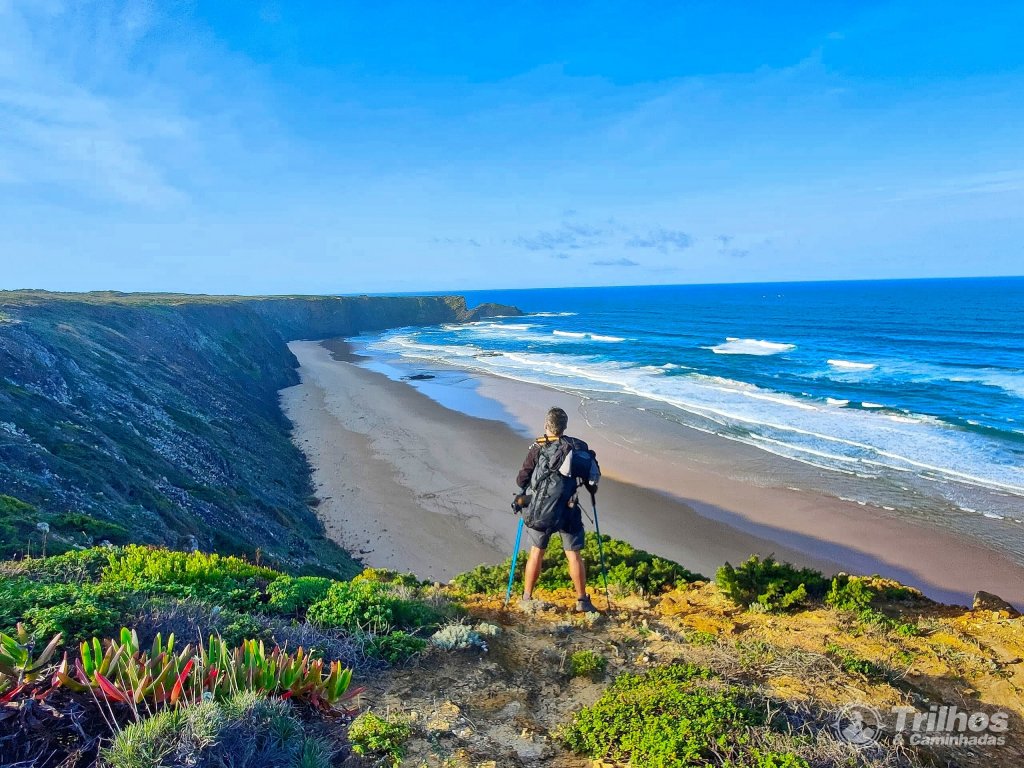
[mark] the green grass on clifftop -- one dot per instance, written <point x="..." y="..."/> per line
<point x="673" y="717"/>
<point x="94" y="592"/>
<point x="629" y="570"/>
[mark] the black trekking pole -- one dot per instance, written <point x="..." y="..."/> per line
<point x="600" y="549"/>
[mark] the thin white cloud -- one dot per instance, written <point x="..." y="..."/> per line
<point x="662" y="239"/>
<point x="61" y="130"/>
<point x="622" y="262"/>
<point x="999" y="182"/>
<point x="570" y="235"/>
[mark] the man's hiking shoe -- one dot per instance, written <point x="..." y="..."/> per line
<point x="584" y="605"/>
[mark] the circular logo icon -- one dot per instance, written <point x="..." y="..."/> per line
<point x="859" y="724"/>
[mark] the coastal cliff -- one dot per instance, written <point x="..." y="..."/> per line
<point x="154" y="418"/>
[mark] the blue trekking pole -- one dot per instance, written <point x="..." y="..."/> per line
<point x="515" y="558"/>
<point x="600" y="550"/>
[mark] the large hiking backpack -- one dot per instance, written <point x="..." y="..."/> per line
<point x="560" y="468"/>
<point x="584" y="469"/>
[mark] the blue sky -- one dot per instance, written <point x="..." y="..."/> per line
<point x="282" y="147"/>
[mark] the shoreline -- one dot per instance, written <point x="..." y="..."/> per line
<point x="429" y="492"/>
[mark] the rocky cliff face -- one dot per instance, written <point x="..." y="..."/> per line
<point x="155" y="418"/>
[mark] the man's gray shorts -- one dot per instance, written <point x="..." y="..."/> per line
<point x="572" y="539"/>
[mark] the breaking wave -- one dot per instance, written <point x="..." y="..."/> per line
<point x="849" y="365"/>
<point x="812" y="430"/>
<point x="734" y="346"/>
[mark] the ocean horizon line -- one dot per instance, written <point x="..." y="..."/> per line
<point x="871" y="280"/>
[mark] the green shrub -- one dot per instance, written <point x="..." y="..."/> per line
<point x="244" y="731"/>
<point x="395" y="647"/>
<point x="385" y="576"/>
<point x="75" y="566"/>
<point x="369" y="606"/>
<point x="75" y="610"/>
<point x="414" y="614"/>
<point x="700" y="637"/>
<point x="587" y="664"/>
<point x="672" y="717"/>
<point x="769" y="584"/>
<point x="17" y="525"/>
<point x="76" y="522"/>
<point x="239" y="626"/>
<point x="857" y="595"/>
<point x="659" y="718"/>
<point x="771" y="759"/>
<point x="849" y="593"/>
<point x="902" y="628"/>
<point x="290" y="595"/>
<point x="226" y="580"/>
<point x="629" y="569"/>
<point x="371" y="734"/>
<point x="853" y="664"/>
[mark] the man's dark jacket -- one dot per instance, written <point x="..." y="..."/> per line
<point x="523" y="478"/>
<point x="571" y="516"/>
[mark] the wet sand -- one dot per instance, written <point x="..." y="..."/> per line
<point x="408" y="483"/>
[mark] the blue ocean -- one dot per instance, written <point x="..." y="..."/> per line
<point x="908" y="395"/>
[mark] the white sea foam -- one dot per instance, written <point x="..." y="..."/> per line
<point x="759" y="347"/>
<point x="1008" y="381"/>
<point x="552" y="314"/>
<point x="484" y="326"/>
<point x="850" y="365"/>
<point x="834" y="438"/>
<point x="903" y="419"/>
<point x="811" y="451"/>
<point x="836" y="401"/>
<point x="586" y="335"/>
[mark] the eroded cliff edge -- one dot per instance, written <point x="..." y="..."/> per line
<point x="154" y="418"/>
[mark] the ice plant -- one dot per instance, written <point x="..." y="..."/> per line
<point x="119" y="672"/>
<point x="21" y="674"/>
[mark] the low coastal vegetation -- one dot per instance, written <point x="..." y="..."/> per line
<point x="628" y="569"/>
<point x="587" y="663"/>
<point x="139" y="634"/>
<point x="679" y="714"/>
<point x="243" y="730"/>
<point x="768" y="585"/>
<point x="374" y="735"/>
<point x="139" y="656"/>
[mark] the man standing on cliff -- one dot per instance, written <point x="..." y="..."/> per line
<point x="570" y="519"/>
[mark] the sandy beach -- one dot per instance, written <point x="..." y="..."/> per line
<point x="408" y="483"/>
